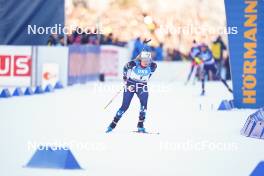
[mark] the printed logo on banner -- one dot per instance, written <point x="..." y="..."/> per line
<point x="50" y="73"/>
<point x="17" y="65"/>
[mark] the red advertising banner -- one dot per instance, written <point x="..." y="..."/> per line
<point x="15" y="66"/>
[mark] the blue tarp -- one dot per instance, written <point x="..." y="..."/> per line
<point x="16" y="15"/>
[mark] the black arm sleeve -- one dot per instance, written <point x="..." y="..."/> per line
<point x="153" y="67"/>
<point x="128" y="66"/>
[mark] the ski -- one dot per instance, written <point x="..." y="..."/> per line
<point x="157" y="133"/>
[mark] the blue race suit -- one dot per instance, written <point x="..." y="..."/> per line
<point x="209" y="65"/>
<point x="136" y="78"/>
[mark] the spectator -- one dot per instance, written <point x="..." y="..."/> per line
<point x="218" y="48"/>
<point x="85" y="37"/>
<point x="61" y="41"/>
<point x="53" y="40"/>
<point x="109" y="39"/>
<point x="77" y="36"/>
<point x="176" y="55"/>
<point x="137" y="48"/>
<point x="69" y="39"/>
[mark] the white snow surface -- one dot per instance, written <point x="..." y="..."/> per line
<point x="195" y="139"/>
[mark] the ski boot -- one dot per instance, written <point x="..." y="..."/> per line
<point x="112" y="125"/>
<point x="109" y="129"/>
<point x="140" y="126"/>
<point x="141" y="130"/>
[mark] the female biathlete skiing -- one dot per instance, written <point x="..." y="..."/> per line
<point x="136" y="74"/>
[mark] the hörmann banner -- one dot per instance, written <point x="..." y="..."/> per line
<point x="247" y="51"/>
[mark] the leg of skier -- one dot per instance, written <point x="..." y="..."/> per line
<point x="227" y="86"/>
<point x="190" y="74"/>
<point x="142" y="94"/>
<point x="196" y="72"/>
<point x="218" y="76"/>
<point x="203" y="73"/>
<point x="127" y="97"/>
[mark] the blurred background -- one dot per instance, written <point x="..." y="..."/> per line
<point x="100" y="36"/>
<point x="161" y="20"/>
<point x="172" y="25"/>
<point x="54" y="87"/>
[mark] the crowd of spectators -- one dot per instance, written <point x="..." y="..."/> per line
<point x="218" y="47"/>
<point x="159" y="53"/>
<point x="80" y="37"/>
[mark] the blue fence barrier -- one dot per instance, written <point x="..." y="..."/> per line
<point x="84" y="63"/>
